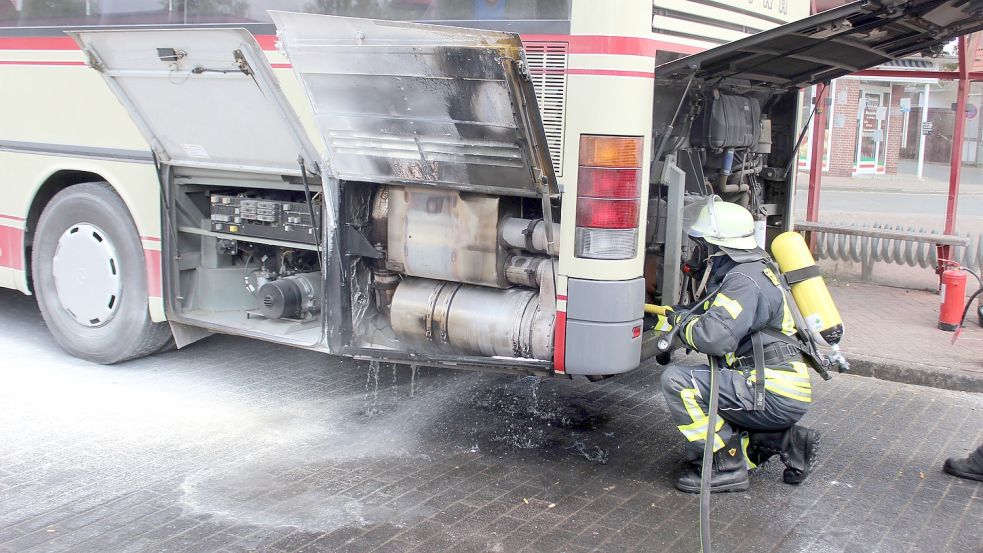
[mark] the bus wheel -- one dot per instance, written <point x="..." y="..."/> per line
<point x="90" y="277"/>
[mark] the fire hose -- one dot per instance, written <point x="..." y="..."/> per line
<point x="665" y="344"/>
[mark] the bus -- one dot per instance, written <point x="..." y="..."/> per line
<point x="493" y="184"/>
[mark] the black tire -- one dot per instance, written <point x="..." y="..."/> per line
<point x="979" y="311"/>
<point x="128" y="333"/>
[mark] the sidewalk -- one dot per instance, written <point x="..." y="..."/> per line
<point x="971" y="183"/>
<point x="891" y="334"/>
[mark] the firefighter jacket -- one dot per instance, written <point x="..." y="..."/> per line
<point x="748" y="298"/>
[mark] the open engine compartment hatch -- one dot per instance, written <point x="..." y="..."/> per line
<point x="419" y="104"/>
<point x="834" y="43"/>
<point x="203" y="98"/>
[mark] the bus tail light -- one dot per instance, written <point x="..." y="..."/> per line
<point x="608" y="192"/>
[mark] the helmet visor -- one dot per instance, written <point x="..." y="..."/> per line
<point x="691" y="214"/>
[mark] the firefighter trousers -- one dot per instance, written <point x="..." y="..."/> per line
<point x="687" y="392"/>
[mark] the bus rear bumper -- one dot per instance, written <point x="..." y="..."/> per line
<point x="603" y="326"/>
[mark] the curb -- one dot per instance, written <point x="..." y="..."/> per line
<point x="918" y="374"/>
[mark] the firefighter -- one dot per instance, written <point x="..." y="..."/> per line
<point x="744" y="296"/>
<point x="970" y="468"/>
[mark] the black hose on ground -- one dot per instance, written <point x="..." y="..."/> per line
<point x="707" y="468"/>
<point x="969" y="305"/>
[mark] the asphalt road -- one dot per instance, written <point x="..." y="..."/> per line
<point x="237" y="445"/>
<point x="890" y="204"/>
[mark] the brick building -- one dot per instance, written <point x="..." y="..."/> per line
<point x="874" y="125"/>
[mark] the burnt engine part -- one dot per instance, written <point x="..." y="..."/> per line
<point x="292" y="297"/>
<point x="263" y="218"/>
<point x="451" y="235"/>
<point x="729" y="121"/>
<point x="432" y="315"/>
<point x="444" y="235"/>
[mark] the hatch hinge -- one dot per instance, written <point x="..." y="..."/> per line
<point x="242" y="63"/>
<point x="94" y="61"/>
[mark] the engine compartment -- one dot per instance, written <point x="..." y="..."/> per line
<point x="729" y="139"/>
<point x="420" y="270"/>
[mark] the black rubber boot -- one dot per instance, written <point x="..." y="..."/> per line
<point x="797" y="447"/>
<point x="729" y="472"/>
<point x="970" y="468"/>
<point x="762" y="446"/>
<point x="800" y="445"/>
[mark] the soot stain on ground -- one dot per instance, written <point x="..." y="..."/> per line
<point x="320" y="468"/>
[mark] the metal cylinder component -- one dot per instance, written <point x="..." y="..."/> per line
<point x="524" y="270"/>
<point x="528" y="234"/>
<point x="384" y="283"/>
<point x="444" y="235"/>
<point x="379" y="216"/>
<point x="432" y="315"/>
<point x="292" y="297"/>
<point x="764" y="140"/>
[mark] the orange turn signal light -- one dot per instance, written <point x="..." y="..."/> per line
<point x="610" y="151"/>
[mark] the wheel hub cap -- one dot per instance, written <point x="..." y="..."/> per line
<point x="87" y="275"/>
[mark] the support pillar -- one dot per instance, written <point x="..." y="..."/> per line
<point x="958" y="137"/>
<point x="921" y="133"/>
<point x="817" y="146"/>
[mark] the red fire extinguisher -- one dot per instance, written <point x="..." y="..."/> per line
<point x="953" y="299"/>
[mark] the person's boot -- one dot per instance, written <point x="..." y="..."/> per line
<point x="797" y="447"/>
<point x="728" y="474"/>
<point x="800" y="445"/>
<point x="762" y="446"/>
<point x="971" y="467"/>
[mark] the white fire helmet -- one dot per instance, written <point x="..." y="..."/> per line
<point x="724" y="224"/>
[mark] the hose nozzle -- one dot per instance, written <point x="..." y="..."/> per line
<point x="842" y="365"/>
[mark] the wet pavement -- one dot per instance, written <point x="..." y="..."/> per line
<point x="237" y="445"/>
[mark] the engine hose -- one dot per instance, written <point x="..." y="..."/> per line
<point x="707" y="468"/>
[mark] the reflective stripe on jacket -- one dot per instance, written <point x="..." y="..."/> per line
<point x="749" y="299"/>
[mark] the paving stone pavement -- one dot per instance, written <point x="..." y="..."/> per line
<point x="235" y="445"/>
<point x="892" y="333"/>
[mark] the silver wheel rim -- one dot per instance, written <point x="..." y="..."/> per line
<point x="87" y="274"/>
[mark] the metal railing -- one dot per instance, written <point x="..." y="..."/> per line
<point x="896" y="244"/>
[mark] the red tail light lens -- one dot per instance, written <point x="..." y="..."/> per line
<point x="607" y="214"/>
<point x="593" y="182"/>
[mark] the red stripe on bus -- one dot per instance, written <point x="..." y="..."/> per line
<point x="12" y="217"/>
<point x="560" y="342"/>
<point x="11" y="248"/>
<point x="615" y="45"/>
<point x="596" y="72"/>
<point x="577" y="44"/>
<point x="38" y="43"/>
<point x="612" y="73"/>
<point x="47" y="63"/>
<point x="150" y="238"/>
<point x="266" y="42"/>
<point x="154" y="288"/>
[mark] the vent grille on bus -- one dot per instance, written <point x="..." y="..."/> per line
<point x="548" y="68"/>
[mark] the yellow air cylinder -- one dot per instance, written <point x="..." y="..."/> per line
<point x="811" y="295"/>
